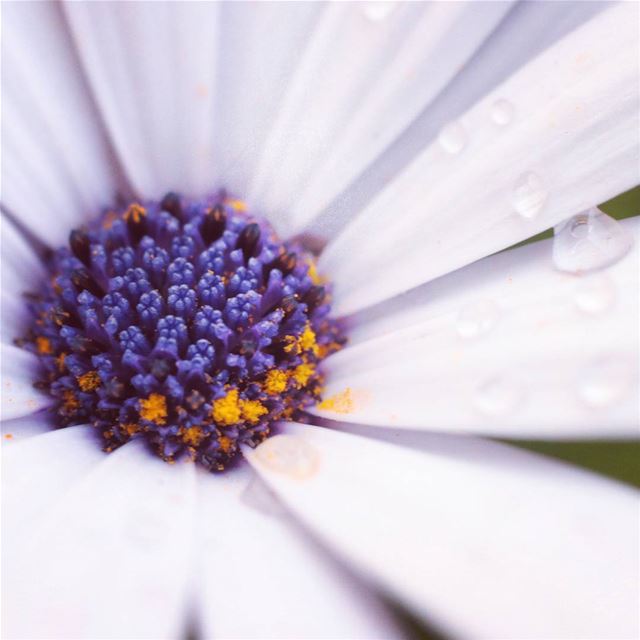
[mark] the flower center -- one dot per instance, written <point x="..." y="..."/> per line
<point x="188" y="324"/>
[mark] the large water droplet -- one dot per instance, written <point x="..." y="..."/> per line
<point x="595" y="294"/>
<point x="502" y="112"/>
<point x="529" y="195"/>
<point x="498" y="395"/>
<point x="289" y="455"/>
<point x="606" y="380"/>
<point x="588" y="241"/>
<point x="378" y="11"/>
<point x="477" y="318"/>
<point x="453" y="137"/>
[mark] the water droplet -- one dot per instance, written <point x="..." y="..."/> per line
<point x="477" y="318"/>
<point x="502" y="112"/>
<point x="595" y="294"/>
<point x="498" y="395"/>
<point x="606" y="380"/>
<point x="289" y="455"/>
<point x="529" y="195"/>
<point x="590" y="240"/>
<point x="258" y="496"/>
<point x="453" y="138"/>
<point x="378" y="11"/>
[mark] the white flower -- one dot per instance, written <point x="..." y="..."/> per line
<point x="414" y="139"/>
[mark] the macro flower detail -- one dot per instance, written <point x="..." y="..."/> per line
<point x="188" y="324"/>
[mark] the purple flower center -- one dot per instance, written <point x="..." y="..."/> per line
<point x="188" y="324"/>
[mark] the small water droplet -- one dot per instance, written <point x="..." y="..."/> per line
<point x="378" y="11"/>
<point x="588" y="241"/>
<point x="289" y="455"/>
<point x="453" y="137"/>
<point x="595" y="294"/>
<point x="529" y="195"/>
<point x="477" y="318"/>
<point x="502" y="112"/>
<point x="606" y="380"/>
<point x="498" y="395"/>
<point x="258" y="496"/>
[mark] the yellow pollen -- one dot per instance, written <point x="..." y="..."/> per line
<point x="60" y="361"/>
<point x="339" y="403"/>
<point x="316" y="278"/>
<point x="276" y="382"/>
<point x="307" y="341"/>
<point x="226" y="443"/>
<point x="88" y="381"/>
<point x="238" y="205"/>
<point x="227" y="410"/>
<point x="194" y="436"/>
<point x="135" y="212"/>
<point x="69" y="401"/>
<point x="109" y="219"/>
<point x="302" y="373"/>
<point x="44" y="345"/>
<point x="291" y="344"/>
<point x="154" y="408"/>
<point x="130" y="427"/>
<point x="252" y="410"/>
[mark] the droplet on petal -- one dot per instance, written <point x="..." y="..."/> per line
<point x="477" y="318"/>
<point x="606" y="380"/>
<point x="453" y="138"/>
<point x="502" y="112"/>
<point x="529" y="195"/>
<point x="289" y="455"/>
<point x="588" y="241"/>
<point x="595" y="294"/>
<point x="498" y="395"/>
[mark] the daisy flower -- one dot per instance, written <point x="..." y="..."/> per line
<point x="260" y="339"/>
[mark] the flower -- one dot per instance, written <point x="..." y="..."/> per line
<point x="529" y="116"/>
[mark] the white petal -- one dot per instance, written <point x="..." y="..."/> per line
<point x="19" y="429"/>
<point x="358" y="83"/>
<point x="508" y="347"/>
<point x="21" y="271"/>
<point x="261" y="579"/>
<point x="18" y="369"/>
<point x="571" y="141"/>
<point x="482" y="539"/>
<point x="109" y="558"/>
<point x="56" y="169"/>
<point x="152" y="69"/>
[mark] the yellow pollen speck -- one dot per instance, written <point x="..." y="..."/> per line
<point x="339" y="403"/>
<point x="238" y="205"/>
<point x="276" y="382"/>
<point x="316" y="278"/>
<point x="291" y="344"/>
<point x="135" y="212"/>
<point x="227" y="410"/>
<point x="69" y="401"/>
<point x="130" y="427"/>
<point x="307" y="341"/>
<point x="44" y="345"/>
<point x="60" y="361"/>
<point x="154" y="408"/>
<point x="88" y="381"/>
<point x="252" y="410"/>
<point x="302" y="373"/>
<point x="226" y="443"/>
<point x="8" y="436"/>
<point x="194" y="436"/>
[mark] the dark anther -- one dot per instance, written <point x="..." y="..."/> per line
<point x="82" y="279"/>
<point x="289" y="305"/>
<point x="137" y="225"/>
<point x="80" y="245"/>
<point x="286" y="262"/>
<point x="314" y="297"/>
<point x="248" y="348"/>
<point x="171" y="204"/>
<point x="213" y="224"/>
<point x="248" y="239"/>
<point x="65" y="317"/>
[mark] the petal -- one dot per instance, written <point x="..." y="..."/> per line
<point x="359" y="81"/>
<point x="108" y="558"/>
<point x="507" y="347"/>
<point x="152" y="70"/>
<point x="568" y="141"/>
<point x="56" y="168"/>
<point x="19" y="398"/>
<point x="482" y="539"/>
<point x="21" y="271"/>
<point x="262" y="579"/>
<point x="19" y="429"/>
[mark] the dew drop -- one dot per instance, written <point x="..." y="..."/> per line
<point x="588" y="241"/>
<point x="606" y="381"/>
<point x="595" y="294"/>
<point x="502" y="112"/>
<point x="477" y="318"/>
<point x="453" y="137"/>
<point x="529" y="195"/>
<point x="498" y="395"/>
<point x="289" y="455"/>
<point x="378" y="11"/>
